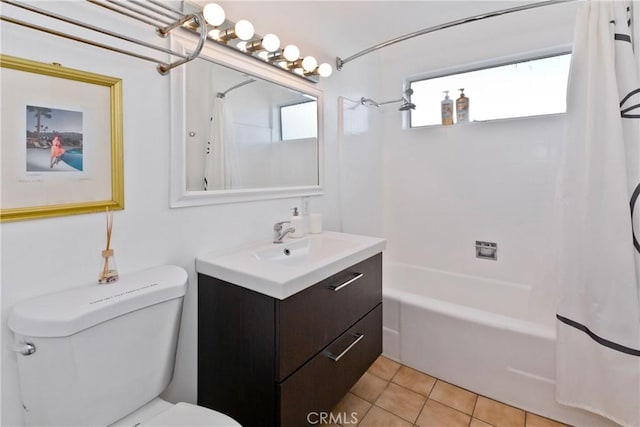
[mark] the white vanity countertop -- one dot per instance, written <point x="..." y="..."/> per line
<point x="281" y="270"/>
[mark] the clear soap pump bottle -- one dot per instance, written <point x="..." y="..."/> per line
<point x="462" y="108"/>
<point x="446" y="108"/>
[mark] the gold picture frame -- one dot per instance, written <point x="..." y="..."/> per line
<point x="72" y="159"/>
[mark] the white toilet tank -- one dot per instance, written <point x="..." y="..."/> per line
<point x="101" y="351"/>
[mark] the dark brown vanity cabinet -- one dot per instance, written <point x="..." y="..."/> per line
<point x="270" y="362"/>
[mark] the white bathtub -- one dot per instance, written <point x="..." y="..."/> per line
<point x="483" y="335"/>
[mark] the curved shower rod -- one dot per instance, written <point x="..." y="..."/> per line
<point x="246" y="82"/>
<point x="340" y="62"/>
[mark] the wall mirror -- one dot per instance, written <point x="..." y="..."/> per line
<point x="241" y="130"/>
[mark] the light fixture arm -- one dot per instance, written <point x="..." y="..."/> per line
<point x="226" y="35"/>
<point x="292" y="65"/>
<point x="276" y="56"/>
<point x="199" y="19"/>
<point x="254" y="46"/>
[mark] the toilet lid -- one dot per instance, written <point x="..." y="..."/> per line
<point x="186" y="415"/>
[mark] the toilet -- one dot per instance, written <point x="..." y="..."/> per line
<point x="100" y="355"/>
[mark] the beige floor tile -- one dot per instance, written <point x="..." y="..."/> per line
<point x="351" y="409"/>
<point x="453" y="396"/>
<point x="369" y="387"/>
<point x="498" y="414"/>
<point x="378" y="417"/>
<point x="447" y="405"/>
<point x="414" y="380"/>
<point x="435" y="414"/>
<point x="477" y="423"/>
<point x="533" y="420"/>
<point x="401" y="402"/>
<point x="384" y="368"/>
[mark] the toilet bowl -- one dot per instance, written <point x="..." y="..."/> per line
<point x="160" y="413"/>
<point x="103" y="354"/>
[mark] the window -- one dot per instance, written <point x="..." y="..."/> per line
<point x="528" y="88"/>
<point x="299" y="121"/>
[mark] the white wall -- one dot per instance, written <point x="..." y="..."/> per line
<point x="361" y="159"/>
<point x="47" y="255"/>
<point x="447" y="187"/>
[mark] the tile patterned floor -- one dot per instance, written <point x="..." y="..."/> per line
<point x="393" y="395"/>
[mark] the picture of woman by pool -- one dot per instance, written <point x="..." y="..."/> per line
<point x="56" y="150"/>
<point x="54" y="140"/>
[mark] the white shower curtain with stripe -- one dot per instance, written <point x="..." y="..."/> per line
<point x="214" y="167"/>
<point x="220" y="157"/>
<point x="598" y="316"/>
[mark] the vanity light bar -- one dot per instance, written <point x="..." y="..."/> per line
<point x="164" y="19"/>
<point x="265" y="48"/>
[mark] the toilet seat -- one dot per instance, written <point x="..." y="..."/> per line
<point x="187" y="415"/>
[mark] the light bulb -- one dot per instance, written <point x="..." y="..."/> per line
<point x="271" y="42"/>
<point x="325" y="70"/>
<point x="291" y="52"/>
<point x="244" y="29"/>
<point x="309" y="63"/>
<point x="213" y="14"/>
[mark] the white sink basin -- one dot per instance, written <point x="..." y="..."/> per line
<point x="281" y="270"/>
<point x="306" y="251"/>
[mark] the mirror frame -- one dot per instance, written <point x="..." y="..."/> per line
<point x="183" y="41"/>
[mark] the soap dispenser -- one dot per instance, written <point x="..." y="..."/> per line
<point x="462" y="108"/>
<point x="446" y="108"/>
<point x="297" y="223"/>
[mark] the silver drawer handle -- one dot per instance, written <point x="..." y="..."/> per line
<point x="355" y="277"/>
<point x="346" y="350"/>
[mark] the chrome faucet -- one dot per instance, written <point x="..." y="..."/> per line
<point x="278" y="234"/>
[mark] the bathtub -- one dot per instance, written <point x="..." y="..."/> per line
<point x="484" y="335"/>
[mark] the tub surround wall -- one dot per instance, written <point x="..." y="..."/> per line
<point x="446" y="187"/>
<point x="361" y="158"/>
<point x="490" y="181"/>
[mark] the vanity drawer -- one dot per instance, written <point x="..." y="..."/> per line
<point x="315" y="316"/>
<point x="320" y="384"/>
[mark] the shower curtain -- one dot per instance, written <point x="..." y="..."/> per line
<point x="598" y="316"/>
<point x="214" y="170"/>
<point x="220" y="158"/>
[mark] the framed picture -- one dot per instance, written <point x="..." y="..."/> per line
<point x="60" y="141"/>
